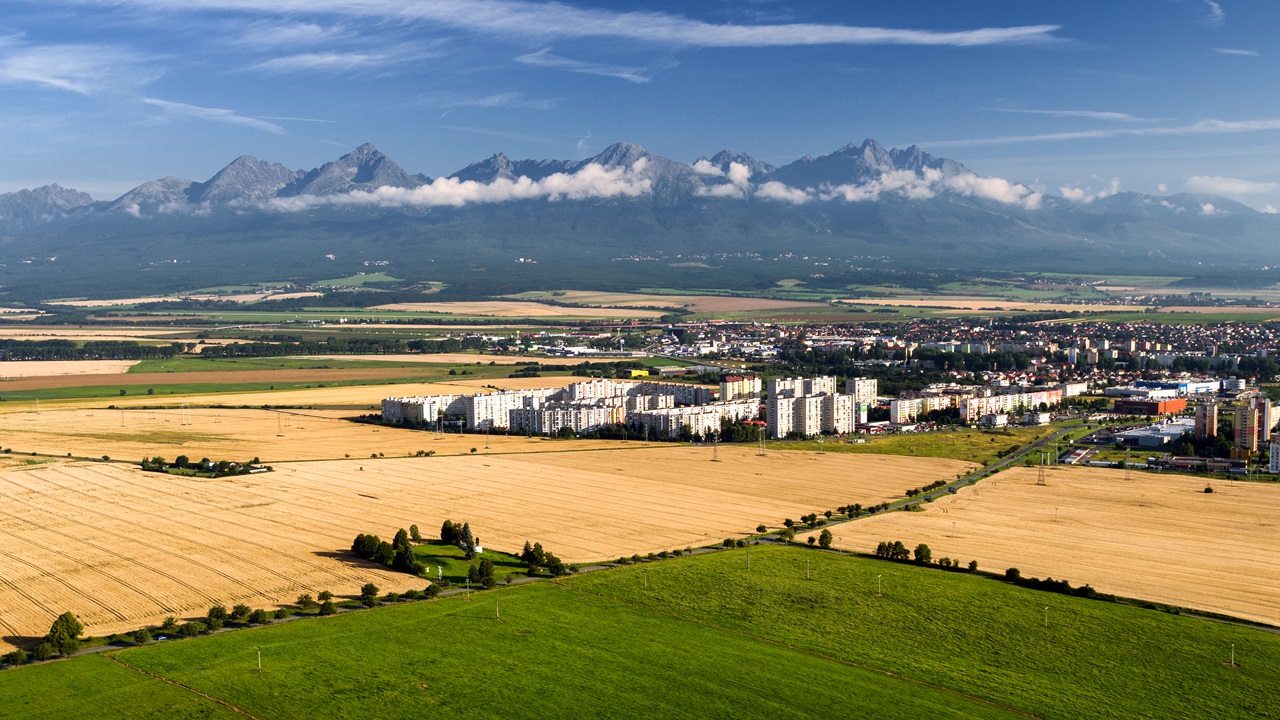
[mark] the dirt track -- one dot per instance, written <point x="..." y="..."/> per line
<point x="182" y="378"/>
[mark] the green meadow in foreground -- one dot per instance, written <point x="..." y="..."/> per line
<point x="707" y="637"/>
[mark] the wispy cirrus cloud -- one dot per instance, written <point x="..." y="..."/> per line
<point x="1203" y="127"/>
<point x="1216" y="15"/>
<point x="546" y="20"/>
<point x="1237" y="52"/>
<point x="329" y="62"/>
<point x="83" y="69"/>
<point x="220" y="115"/>
<point x="450" y="102"/>
<point x="288" y="34"/>
<point x="544" y="58"/>
<point x="1087" y="114"/>
<point x="1219" y="185"/>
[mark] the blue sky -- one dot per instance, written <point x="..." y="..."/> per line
<point x="1156" y="96"/>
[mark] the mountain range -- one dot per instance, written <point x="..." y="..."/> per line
<point x="905" y="206"/>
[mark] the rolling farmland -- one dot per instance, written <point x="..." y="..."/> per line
<point x="122" y="548"/>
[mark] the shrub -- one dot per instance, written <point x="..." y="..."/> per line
<point x="213" y="624"/>
<point x="259" y="617"/>
<point x="169" y="625"/>
<point x="431" y="590"/>
<point x="391" y="597"/>
<point x="924" y="555"/>
<point x="305" y="601"/>
<point x="282" y="613"/>
<point x="812" y="539"/>
<point x="1013" y="574"/>
<point x="191" y="629"/>
<point x="1208" y="488"/>
<point x="324" y="596"/>
<point x="142" y="637"/>
<point x="17" y="657"/>
<point x="328" y="608"/>
<point x="218" y="613"/>
<point x="412" y="594"/>
<point x="762" y="528"/>
<point x="825" y="538"/>
<point x="44" y="651"/>
<point x="729" y="542"/>
<point x="973" y="565"/>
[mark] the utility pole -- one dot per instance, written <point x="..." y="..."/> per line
<point x="878" y="593"/>
<point x="259" y="649"/>
<point x="1046" y="618"/>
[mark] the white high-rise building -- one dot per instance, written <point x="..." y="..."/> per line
<point x="863" y="390"/>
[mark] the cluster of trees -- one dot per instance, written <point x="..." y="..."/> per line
<point x="931" y="486"/>
<point x="63" y="639"/>
<point x="344" y="346"/>
<point x="537" y="559"/>
<point x="182" y="465"/>
<point x="91" y="350"/>
<point x="1062" y="587"/>
<point x="1218" y="446"/>
<point x="397" y="554"/>
<point x="452" y="533"/>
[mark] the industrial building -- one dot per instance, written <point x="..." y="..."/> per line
<point x="1170" y="406"/>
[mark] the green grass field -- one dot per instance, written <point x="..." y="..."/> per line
<point x="978" y="446"/>
<point x="95" y="686"/>
<point x="699" y="637"/>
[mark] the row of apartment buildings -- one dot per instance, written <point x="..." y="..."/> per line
<point x="974" y="404"/>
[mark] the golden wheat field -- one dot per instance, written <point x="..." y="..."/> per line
<point x="122" y="548"/>
<point x="1157" y="537"/>
<point x="241" y="434"/>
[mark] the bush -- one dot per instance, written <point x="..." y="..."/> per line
<point x="169" y="625"/>
<point x="973" y="565"/>
<point x="306" y="602"/>
<point x="1013" y="574"/>
<point x="324" y="596"/>
<point x="142" y="637"/>
<point x="729" y="542"/>
<point x="431" y="590"/>
<point x="923" y="554"/>
<point x="282" y="613"/>
<point x="240" y="613"/>
<point x="328" y="608"/>
<point x="44" y="651"/>
<point x="412" y="594"/>
<point x="762" y="528"/>
<point x="259" y="617"/>
<point x="191" y="629"/>
<point x="17" y="657"/>
<point x="391" y="597"/>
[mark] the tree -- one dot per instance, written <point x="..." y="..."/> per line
<point x="924" y="555"/>
<point x="328" y="608"/>
<point x="406" y="561"/>
<point x="401" y="539"/>
<point x="181" y="461"/>
<point x="217" y="612"/>
<point x="467" y="541"/>
<point x="973" y="565"/>
<point x="324" y="596"/>
<point x="449" y="533"/>
<point x="384" y="553"/>
<point x="240" y="612"/>
<point x="824" y="539"/>
<point x="414" y="534"/>
<point x="369" y="594"/>
<point x="484" y="573"/>
<point x="762" y="528"/>
<point x="899" y="551"/>
<point x="44" y="651"/>
<point x="787" y="535"/>
<point x="64" y="635"/>
<point x="17" y="657"/>
<point x="259" y="617"/>
<point x="305" y="601"/>
<point x="142" y="637"/>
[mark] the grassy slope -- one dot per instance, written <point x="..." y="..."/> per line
<point x="703" y="639"/>
<point x="1097" y="660"/>
<point x="555" y="653"/>
<point x="95" y="686"/>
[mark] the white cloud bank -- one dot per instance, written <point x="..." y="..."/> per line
<point x="592" y="181"/>
<point x="1083" y="196"/>
<point x="599" y="182"/>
